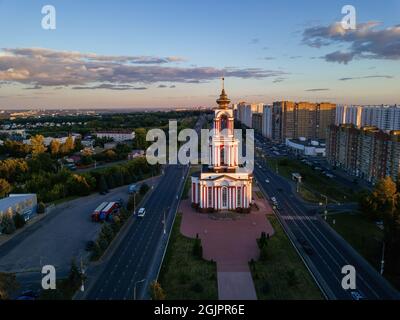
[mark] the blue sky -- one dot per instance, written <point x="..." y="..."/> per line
<point x="259" y="45"/>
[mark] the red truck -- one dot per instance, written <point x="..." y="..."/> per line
<point x="108" y="211"/>
<point x="97" y="211"/>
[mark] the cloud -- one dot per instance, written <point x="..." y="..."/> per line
<point x="365" y="42"/>
<point x="269" y="58"/>
<point x="317" y="89"/>
<point x="340" y="57"/>
<point x="367" y="77"/>
<point x="295" y="57"/>
<point x="35" y="87"/>
<point x="44" y="67"/>
<point x="109" y="86"/>
<point x="254" y="41"/>
<point x="277" y="80"/>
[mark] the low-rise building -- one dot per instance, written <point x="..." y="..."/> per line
<point x="24" y="204"/>
<point x="117" y="135"/>
<point x="307" y="147"/>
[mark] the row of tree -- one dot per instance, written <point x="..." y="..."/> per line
<point x="383" y="204"/>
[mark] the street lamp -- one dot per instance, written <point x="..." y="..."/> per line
<point x="326" y="204"/>
<point x="134" y="288"/>
<point x="383" y="258"/>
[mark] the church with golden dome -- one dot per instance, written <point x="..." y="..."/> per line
<point x="222" y="185"/>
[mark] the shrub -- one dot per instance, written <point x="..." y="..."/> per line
<point x="7" y="224"/>
<point x="41" y="207"/>
<point x="19" y="221"/>
<point x="144" y="188"/>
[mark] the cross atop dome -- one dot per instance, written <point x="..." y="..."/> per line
<point x="223" y="100"/>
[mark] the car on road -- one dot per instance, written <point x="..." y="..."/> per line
<point x="141" y="213"/>
<point x="307" y="249"/>
<point x="266" y="180"/>
<point x="356" y="295"/>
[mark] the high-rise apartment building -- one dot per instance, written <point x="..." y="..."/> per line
<point x="257" y="122"/>
<point x="267" y="121"/>
<point x="384" y="117"/>
<point x="367" y="152"/>
<point x="302" y="119"/>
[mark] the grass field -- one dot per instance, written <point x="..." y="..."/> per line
<point x="283" y="275"/>
<point x="362" y="234"/>
<point x="313" y="182"/>
<point x="184" y="276"/>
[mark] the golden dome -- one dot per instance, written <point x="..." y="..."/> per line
<point x="223" y="100"/>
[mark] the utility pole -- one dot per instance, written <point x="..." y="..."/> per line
<point x="164" y="222"/>
<point x="383" y="258"/>
<point x="82" y="276"/>
<point x="326" y="205"/>
<point x="134" y="288"/>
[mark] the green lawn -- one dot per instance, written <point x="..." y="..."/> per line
<point x="362" y="234"/>
<point x="313" y="183"/>
<point x="283" y="276"/>
<point x="188" y="182"/>
<point x="183" y="276"/>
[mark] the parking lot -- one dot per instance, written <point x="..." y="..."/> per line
<point x="56" y="238"/>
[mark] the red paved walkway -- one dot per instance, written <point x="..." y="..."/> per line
<point x="231" y="243"/>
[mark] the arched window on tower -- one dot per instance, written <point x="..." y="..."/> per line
<point x="224" y="197"/>
<point x="224" y="122"/>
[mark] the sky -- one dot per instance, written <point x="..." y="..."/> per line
<point x="172" y="53"/>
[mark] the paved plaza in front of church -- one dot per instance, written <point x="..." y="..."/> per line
<point x="229" y="239"/>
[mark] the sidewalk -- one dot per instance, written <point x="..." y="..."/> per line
<point x="231" y="242"/>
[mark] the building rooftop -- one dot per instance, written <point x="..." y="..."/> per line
<point x="309" y="142"/>
<point x="14" y="199"/>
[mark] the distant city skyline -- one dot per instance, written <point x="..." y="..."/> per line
<point x="171" y="54"/>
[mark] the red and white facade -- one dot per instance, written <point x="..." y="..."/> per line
<point x="222" y="186"/>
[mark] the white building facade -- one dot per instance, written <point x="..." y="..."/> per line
<point x="222" y="186"/>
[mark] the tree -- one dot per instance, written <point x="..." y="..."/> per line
<point x="140" y="139"/>
<point x="19" y="220"/>
<point x="5" y="188"/>
<point x="41" y="207"/>
<point x="156" y="292"/>
<point x="37" y="143"/>
<point x="197" y="247"/>
<point x="7" y="223"/>
<point x="103" y="184"/>
<point x="68" y="146"/>
<point x="8" y="284"/>
<point x="144" y="188"/>
<point x="55" y="145"/>
<point x="131" y="203"/>
<point x="74" y="276"/>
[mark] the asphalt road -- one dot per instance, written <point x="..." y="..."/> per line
<point x="139" y="255"/>
<point x="330" y="252"/>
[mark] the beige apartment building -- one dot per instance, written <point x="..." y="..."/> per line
<point x="301" y="119"/>
<point x="367" y="152"/>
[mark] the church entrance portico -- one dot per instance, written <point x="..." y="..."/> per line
<point x="221" y="186"/>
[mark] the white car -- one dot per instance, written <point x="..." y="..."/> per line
<point x="266" y="180"/>
<point x="356" y="295"/>
<point x="141" y="213"/>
